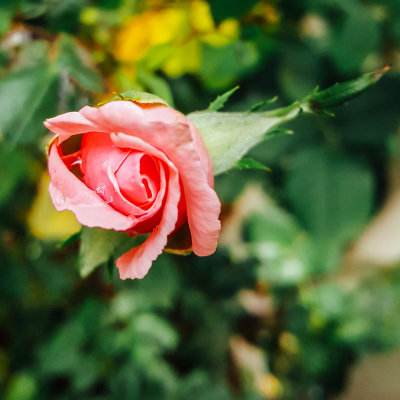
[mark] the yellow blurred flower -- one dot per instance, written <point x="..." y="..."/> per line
<point x="44" y="221"/>
<point x="149" y="29"/>
<point x="170" y="39"/>
<point x="200" y="17"/>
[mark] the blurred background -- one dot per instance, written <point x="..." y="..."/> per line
<point x="301" y="299"/>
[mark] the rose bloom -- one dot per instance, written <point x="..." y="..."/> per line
<point x="137" y="168"/>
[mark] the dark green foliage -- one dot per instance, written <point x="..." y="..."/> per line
<point x="169" y="336"/>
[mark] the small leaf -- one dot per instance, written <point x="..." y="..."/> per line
<point x="249" y="163"/>
<point x="219" y="102"/>
<point x="138" y="97"/>
<point x="99" y="245"/>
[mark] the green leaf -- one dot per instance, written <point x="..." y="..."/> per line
<point x="249" y="163"/>
<point x="331" y="193"/>
<point x="31" y="55"/>
<point x="219" y="102"/>
<point x="340" y="93"/>
<point x="22" y="387"/>
<point x="160" y="287"/>
<point x="99" y="245"/>
<point x="7" y="11"/>
<point x="76" y="62"/>
<point x="285" y="252"/>
<point x="32" y="90"/>
<point x="223" y="66"/>
<point x="27" y="98"/>
<point x="356" y="37"/>
<point x="299" y="72"/>
<point x="13" y="166"/>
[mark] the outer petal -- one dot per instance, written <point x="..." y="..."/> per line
<point x="69" y="124"/>
<point x="93" y="119"/>
<point x="137" y="262"/>
<point x="69" y="193"/>
<point x="156" y="112"/>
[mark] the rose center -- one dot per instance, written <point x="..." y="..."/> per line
<point x="127" y="179"/>
<point x="137" y="178"/>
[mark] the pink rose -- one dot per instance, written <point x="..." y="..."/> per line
<point x="137" y="168"/>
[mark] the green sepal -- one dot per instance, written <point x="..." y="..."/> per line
<point x="278" y="132"/>
<point x="261" y="104"/>
<point x="219" y="102"/>
<point x="250" y="163"/>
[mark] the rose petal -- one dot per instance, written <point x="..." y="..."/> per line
<point x="137" y="262"/>
<point x="156" y="112"/>
<point x="202" y="203"/>
<point x="101" y="160"/>
<point x="69" y="124"/>
<point x="142" y="186"/>
<point x="69" y="193"/>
